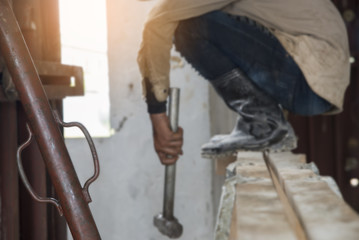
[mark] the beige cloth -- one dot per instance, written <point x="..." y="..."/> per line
<point x="312" y="32"/>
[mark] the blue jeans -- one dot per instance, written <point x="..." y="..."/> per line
<point x="216" y="43"/>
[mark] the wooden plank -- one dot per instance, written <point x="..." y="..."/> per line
<point x="233" y="234"/>
<point x="221" y="164"/>
<point x="304" y="205"/>
<point x="290" y="212"/>
<point x="323" y="213"/>
<point x="56" y="80"/>
<point x="257" y="211"/>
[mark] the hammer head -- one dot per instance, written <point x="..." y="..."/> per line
<point x="169" y="227"/>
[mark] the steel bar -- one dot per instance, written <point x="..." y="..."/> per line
<point x="25" y="180"/>
<point x="9" y="190"/>
<point x="170" y="171"/>
<point x="33" y="222"/>
<point x="44" y="126"/>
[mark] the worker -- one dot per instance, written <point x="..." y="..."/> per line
<point x="259" y="55"/>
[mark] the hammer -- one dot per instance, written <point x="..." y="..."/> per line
<point x="165" y="222"/>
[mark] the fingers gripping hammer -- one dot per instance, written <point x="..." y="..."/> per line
<point x="166" y="223"/>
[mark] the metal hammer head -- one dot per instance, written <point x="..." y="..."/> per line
<point x="169" y="227"/>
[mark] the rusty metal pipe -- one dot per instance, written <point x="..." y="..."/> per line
<point x="46" y="131"/>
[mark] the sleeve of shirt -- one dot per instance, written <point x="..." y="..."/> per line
<point x="154" y="55"/>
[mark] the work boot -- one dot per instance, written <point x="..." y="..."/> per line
<point x="261" y="124"/>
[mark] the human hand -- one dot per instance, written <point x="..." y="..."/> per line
<point x="167" y="144"/>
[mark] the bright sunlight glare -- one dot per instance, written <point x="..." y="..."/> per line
<point x="84" y="43"/>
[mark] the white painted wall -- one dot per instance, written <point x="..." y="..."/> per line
<point x="129" y="190"/>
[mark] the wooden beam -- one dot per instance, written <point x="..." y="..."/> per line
<point x="280" y="196"/>
<point x="257" y="210"/>
<point x="292" y="217"/>
<point x="324" y="214"/>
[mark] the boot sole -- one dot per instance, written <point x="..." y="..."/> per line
<point x="287" y="144"/>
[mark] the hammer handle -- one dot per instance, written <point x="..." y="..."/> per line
<point x="170" y="171"/>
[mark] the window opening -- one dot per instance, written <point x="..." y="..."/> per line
<point x="83" y="28"/>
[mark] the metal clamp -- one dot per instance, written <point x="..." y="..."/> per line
<point x="85" y="189"/>
<point x="26" y="181"/>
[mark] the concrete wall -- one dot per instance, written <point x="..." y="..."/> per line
<point x="129" y="190"/>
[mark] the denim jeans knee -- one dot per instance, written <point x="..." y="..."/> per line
<point x="216" y="43"/>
